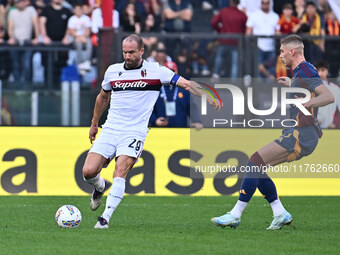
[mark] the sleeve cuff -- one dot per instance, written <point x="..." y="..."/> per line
<point x="175" y="79"/>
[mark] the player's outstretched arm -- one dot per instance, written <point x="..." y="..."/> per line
<point x="197" y="90"/>
<point x="102" y="101"/>
<point x="324" y="97"/>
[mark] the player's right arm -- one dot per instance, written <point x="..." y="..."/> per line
<point x="100" y="106"/>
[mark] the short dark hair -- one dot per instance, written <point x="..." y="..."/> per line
<point x="322" y="64"/>
<point x="287" y="6"/>
<point x="235" y="2"/>
<point x="137" y="39"/>
<point x="310" y="3"/>
<point x="77" y="4"/>
<point x="158" y="50"/>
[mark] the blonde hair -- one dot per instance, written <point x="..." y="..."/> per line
<point x="293" y="41"/>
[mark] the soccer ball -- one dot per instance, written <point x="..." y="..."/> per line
<point x="68" y="216"/>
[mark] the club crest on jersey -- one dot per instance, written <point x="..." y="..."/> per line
<point x="120" y="73"/>
<point x="143" y="72"/>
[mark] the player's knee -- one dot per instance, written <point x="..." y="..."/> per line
<point x="89" y="171"/>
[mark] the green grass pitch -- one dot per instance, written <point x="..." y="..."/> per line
<point x="169" y="225"/>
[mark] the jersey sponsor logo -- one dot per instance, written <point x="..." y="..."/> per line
<point x="152" y="84"/>
<point x="129" y="84"/>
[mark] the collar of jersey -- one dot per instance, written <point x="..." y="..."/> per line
<point x="298" y="66"/>
<point x="138" y="67"/>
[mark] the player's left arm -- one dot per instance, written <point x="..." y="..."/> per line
<point x="324" y="97"/>
<point x="196" y="89"/>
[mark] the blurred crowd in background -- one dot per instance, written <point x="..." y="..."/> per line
<point x="77" y="22"/>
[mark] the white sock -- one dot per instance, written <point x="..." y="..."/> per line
<point x="238" y="209"/>
<point x="114" y="197"/>
<point x="97" y="182"/>
<point x="277" y="207"/>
